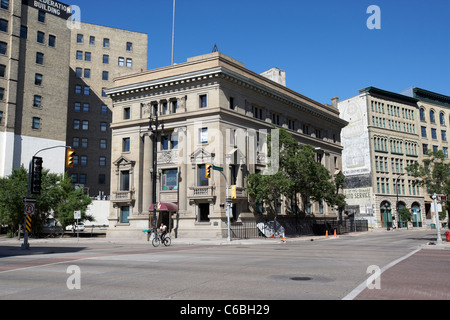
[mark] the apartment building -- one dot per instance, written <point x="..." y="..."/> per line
<point x="52" y="81"/>
<point x="382" y="138"/>
<point x="34" y="84"/>
<point x="214" y="110"/>
<point x="98" y="54"/>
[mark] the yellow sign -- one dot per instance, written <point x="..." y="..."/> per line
<point x="233" y="192"/>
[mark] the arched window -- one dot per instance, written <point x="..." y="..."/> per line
<point x="432" y="118"/>
<point x="442" y="119"/>
<point x="422" y="114"/>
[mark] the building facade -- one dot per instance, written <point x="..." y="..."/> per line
<point x="214" y="110"/>
<point x="380" y="141"/>
<point x="52" y="79"/>
<point x="98" y="54"/>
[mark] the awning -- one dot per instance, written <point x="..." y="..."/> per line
<point x="164" y="206"/>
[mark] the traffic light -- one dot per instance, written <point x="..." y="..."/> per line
<point x="233" y="192"/>
<point x="208" y="168"/>
<point x="69" y="158"/>
<point x="36" y="175"/>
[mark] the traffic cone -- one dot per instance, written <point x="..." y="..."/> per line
<point x="335" y="233"/>
<point x="284" y="238"/>
<point x="326" y="234"/>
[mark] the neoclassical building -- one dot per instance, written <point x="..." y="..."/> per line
<point x="214" y="110"/>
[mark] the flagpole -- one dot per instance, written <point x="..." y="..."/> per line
<point x="173" y="31"/>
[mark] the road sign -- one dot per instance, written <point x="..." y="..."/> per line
<point x="77" y="214"/>
<point x="28" y="224"/>
<point x="29" y="209"/>
<point x="217" y="168"/>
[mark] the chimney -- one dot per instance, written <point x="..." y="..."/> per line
<point x="334" y="102"/>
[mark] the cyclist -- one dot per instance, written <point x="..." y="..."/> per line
<point x="163" y="230"/>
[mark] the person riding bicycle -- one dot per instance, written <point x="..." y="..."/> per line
<point x="163" y="230"/>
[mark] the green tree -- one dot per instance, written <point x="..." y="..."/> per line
<point x="56" y="198"/>
<point x="433" y="174"/>
<point x="405" y="215"/>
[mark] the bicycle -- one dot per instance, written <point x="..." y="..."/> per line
<point x="157" y="240"/>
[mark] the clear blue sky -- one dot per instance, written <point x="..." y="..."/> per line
<point x="324" y="46"/>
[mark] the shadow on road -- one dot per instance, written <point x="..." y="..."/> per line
<point x="12" y="251"/>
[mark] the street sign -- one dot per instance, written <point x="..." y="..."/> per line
<point x="217" y="168"/>
<point x="29" y="209"/>
<point x="77" y="214"/>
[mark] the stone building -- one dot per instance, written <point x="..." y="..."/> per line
<point x="214" y="110"/>
<point x="380" y="141"/>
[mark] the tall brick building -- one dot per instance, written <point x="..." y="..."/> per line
<point x="52" y="76"/>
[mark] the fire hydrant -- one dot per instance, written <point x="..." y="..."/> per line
<point x="447" y="236"/>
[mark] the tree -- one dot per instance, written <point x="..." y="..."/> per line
<point x="405" y="215"/>
<point x="299" y="174"/>
<point x="433" y="174"/>
<point x="56" y="199"/>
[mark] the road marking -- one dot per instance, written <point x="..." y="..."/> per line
<point x="352" y="295"/>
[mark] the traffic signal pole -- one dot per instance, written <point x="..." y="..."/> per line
<point x="31" y="190"/>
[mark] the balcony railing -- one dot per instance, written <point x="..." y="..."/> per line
<point x="123" y="196"/>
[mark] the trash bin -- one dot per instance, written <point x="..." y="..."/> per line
<point x="433" y="226"/>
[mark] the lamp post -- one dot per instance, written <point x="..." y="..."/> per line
<point x="154" y="124"/>
<point x="396" y="204"/>
<point x="386" y="206"/>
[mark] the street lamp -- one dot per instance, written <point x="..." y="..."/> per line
<point x="154" y="124"/>
<point x="386" y="206"/>
<point x="396" y="204"/>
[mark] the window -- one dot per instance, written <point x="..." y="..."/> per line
<point x="102" y="143"/>
<point x="126" y="113"/>
<point x="202" y="181"/>
<point x="83" y="161"/>
<point x="78" y="72"/>
<point x="83" y="178"/>
<point x="86" y="107"/>
<point x="36" y="124"/>
<point x="51" y="41"/>
<point x="121" y="61"/>
<point x="432" y="118"/>
<point x="422" y="114"/>
<point x="442" y="119"/>
<point x="105" y="75"/>
<point x="40" y="37"/>
<point x="87" y="56"/>
<point x="125" y="180"/>
<point x="39" y="58"/>
<point x="102" y="161"/>
<point x="105" y="43"/>
<point x="74" y="178"/>
<point x="103" y="126"/>
<point x="2" y="93"/>
<point x="77" y="89"/>
<point x="1" y="117"/>
<point x="87" y="73"/>
<point x="101" y="179"/>
<point x="126" y="145"/>
<point x="425" y="148"/>
<point x="129" y="63"/>
<point x="79" y="55"/>
<point x="87" y="90"/>
<point x="85" y="125"/>
<point x="38" y="79"/>
<point x="170" y="179"/>
<point x="84" y="143"/>
<point x="4" y="25"/>
<point x="37" y="100"/>
<point x="433" y="134"/>
<point x="231" y="105"/>
<point x="3" y="47"/>
<point x="41" y="16"/>
<point x="124" y="214"/>
<point x="444" y="135"/>
<point x="174" y="106"/>
<point x="23" y="32"/>
<point x="76" y="124"/>
<point x="165" y="143"/>
<point x="104" y="109"/>
<point x="80" y="38"/>
<point x="92" y="40"/>
<point x="105" y="59"/>
<point x="129" y="46"/>
<point x="203" y="132"/>
<point x="76" y="142"/>
<point x="445" y="149"/>
<point x="424" y="131"/>
<point x="203" y="102"/>
<point x="4" y="4"/>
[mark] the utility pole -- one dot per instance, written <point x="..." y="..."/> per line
<point x="438" y="227"/>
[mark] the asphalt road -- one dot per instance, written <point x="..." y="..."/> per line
<point x="324" y="269"/>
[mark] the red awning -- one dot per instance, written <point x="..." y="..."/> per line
<point x="164" y="206"/>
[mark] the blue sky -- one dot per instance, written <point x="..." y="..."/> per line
<point x="324" y="46"/>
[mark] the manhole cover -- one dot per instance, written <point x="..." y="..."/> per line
<point x="301" y="278"/>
